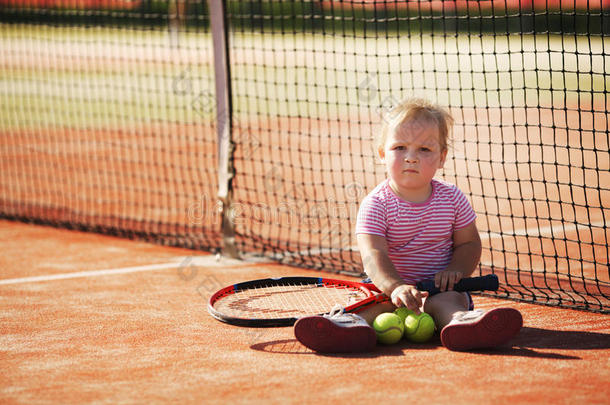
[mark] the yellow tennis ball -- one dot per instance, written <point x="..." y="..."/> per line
<point x="389" y="328"/>
<point x="419" y="328"/>
<point x="402" y="312"/>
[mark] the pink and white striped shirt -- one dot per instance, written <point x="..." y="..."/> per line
<point x="419" y="235"/>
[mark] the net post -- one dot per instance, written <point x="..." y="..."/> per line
<point x="223" y="122"/>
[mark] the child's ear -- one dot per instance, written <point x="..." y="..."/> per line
<point x="381" y="154"/>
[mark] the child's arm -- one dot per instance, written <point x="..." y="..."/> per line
<point x="466" y="256"/>
<point x="381" y="270"/>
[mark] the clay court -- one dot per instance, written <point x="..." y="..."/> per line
<point x="91" y="318"/>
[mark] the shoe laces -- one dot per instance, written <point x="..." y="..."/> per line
<point x="468" y="315"/>
<point x="338" y="315"/>
<point x="337" y="312"/>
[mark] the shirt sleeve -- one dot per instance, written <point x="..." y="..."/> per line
<point x="464" y="214"/>
<point x="372" y="217"/>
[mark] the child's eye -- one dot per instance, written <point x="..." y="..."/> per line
<point x="425" y="149"/>
<point x="398" y="147"/>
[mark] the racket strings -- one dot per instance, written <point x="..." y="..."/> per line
<point x="288" y="300"/>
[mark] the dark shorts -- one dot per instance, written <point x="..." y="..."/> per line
<point x="470" y="301"/>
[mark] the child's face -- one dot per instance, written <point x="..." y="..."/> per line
<point x="412" y="154"/>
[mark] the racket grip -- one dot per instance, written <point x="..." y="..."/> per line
<point x="483" y="283"/>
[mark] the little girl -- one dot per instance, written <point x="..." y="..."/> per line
<point x="411" y="228"/>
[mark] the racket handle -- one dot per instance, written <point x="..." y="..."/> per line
<point x="484" y="283"/>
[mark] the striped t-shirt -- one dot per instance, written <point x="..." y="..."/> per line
<point x="419" y="235"/>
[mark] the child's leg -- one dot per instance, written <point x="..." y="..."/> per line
<point x="369" y="314"/>
<point x="465" y="330"/>
<point x="442" y="307"/>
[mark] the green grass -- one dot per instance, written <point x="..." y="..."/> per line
<point x="104" y="77"/>
<point x="101" y="78"/>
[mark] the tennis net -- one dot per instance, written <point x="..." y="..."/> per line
<point x="109" y="123"/>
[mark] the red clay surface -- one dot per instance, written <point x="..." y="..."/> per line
<point x="147" y="337"/>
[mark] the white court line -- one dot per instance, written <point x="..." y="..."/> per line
<point x="213" y="261"/>
<point x="545" y="231"/>
<point x="208" y="261"/>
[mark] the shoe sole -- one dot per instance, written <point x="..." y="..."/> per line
<point x="493" y="329"/>
<point x="323" y="335"/>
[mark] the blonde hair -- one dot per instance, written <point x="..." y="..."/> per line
<point x="416" y="111"/>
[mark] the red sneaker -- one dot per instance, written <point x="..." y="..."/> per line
<point x="480" y="330"/>
<point x="337" y="332"/>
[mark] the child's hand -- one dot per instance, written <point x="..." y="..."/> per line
<point x="408" y="296"/>
<point x="445" y="280"/>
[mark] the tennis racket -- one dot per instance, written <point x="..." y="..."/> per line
<point x="281" y="301"/>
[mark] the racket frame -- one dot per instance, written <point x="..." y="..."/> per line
<point x="373" y="297"/>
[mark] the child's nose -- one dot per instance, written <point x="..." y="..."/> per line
<point x="410" y="156"/>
